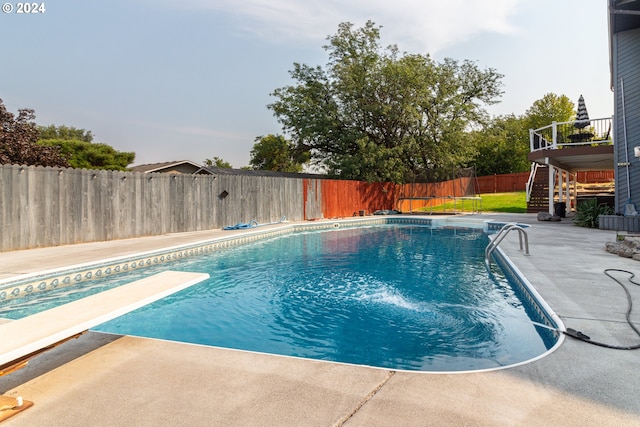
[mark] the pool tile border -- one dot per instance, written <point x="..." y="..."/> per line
<point x="73" y="276"/>
<point x="529" y="297"/>
<point x="23" y="286"/>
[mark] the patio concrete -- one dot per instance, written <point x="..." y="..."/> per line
<point x="101" y="379"/>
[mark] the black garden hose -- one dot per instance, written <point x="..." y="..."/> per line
<point x="582" y="337"/>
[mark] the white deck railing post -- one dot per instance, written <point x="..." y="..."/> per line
<point x="567" y="198"/>
<point x="532" y="176"/>
<point x="552" y="185"/>
<point x="531" y="140"/>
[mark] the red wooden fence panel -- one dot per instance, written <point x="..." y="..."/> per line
<point x="505" y="183"/>
<point x="341" y="198"/>
<point x="458" y="187"/>
<point x="593" y="177"/>
<point x="348" y="198"/>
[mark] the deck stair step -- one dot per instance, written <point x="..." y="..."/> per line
<point x="539" y="198"/>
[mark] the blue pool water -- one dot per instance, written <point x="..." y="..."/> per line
<point x="399" y="297"/>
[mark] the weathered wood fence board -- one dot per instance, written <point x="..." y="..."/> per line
<point x="41" y="206"/>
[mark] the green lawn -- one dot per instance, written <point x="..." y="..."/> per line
<point x="505" y="202"/>
<point x="497" y="202"/>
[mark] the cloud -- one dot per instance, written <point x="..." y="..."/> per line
<point x="422" y="25"/>
<point x="436" y="25"/>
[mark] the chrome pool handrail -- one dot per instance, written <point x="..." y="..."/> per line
<point x="500" y="237"/>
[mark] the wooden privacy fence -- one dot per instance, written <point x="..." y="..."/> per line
<point x="417" y="196"/>
<point x="42" y="206"/>
<point x="50" y="206"/>
<point x="507" y="183"/>
<point x="331" y="198"/>
<point x="593" y="177"/>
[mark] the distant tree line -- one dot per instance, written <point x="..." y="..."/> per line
<point x="18" y="141"/>
<point x="23" y="142"/>
<point x="77" y="146"/>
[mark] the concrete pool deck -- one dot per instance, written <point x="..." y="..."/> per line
<point x="101" y="379"/>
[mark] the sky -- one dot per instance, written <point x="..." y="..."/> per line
<point x="191" y="79"/>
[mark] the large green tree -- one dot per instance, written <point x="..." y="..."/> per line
<point x="76" y="145"/>
<point x="378" y="115"/>
<point x="275" y="153"/>
<point x="501" y="146"/>
<point x="18" y="141"/>
<point x="551" y="107"/>
<point x="87" y="155"/>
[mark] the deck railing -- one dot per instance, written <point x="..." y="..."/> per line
<point x="532" y="175"/>
<point x="574" y="133"/>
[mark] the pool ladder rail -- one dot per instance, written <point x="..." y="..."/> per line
<point x="504" y="231"/>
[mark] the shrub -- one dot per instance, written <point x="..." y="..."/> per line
<point x="588" y="211"/>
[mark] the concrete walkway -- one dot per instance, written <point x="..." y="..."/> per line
<point x="106" y="380"/>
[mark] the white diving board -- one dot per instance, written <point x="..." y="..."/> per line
<point x="24" y="338"/>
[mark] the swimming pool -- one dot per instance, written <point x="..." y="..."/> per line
<point x="385" y="295"/>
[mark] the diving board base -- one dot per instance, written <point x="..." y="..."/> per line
<point x="23" y="361"/>
<point x="9" y="407"/>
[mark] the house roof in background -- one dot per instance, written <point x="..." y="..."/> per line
<point x="194" y="168"/>
<point x="251" y="172"/>
<point x="166" y="166"/>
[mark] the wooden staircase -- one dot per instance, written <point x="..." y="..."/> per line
<point x="539" y="199"/>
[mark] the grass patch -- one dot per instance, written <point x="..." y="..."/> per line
<point x="505" y="202"/>
<point x="496" y="202"/>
